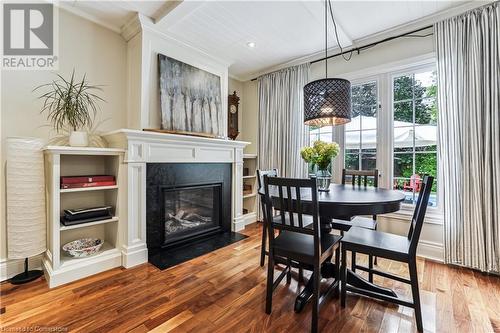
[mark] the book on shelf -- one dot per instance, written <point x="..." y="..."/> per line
<point x="93" y="184"/>
<point x="66" y="222"/>
<point x="86" y="179"/>
<point x="85" y="213"/>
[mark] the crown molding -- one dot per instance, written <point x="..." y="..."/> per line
<point x="132" y="27"/>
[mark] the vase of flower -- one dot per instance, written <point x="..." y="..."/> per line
<point x="323" y="180"/>
<point x="321" y="155"/>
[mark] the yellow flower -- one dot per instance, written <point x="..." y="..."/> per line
<point x="321" y="153"/>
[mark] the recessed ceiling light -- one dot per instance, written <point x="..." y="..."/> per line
<point x="251" y="44"/>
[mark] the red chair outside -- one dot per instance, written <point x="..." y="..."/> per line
<point x="414" y="185"/>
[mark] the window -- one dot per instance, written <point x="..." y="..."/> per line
<point x="361" y="132"/>
<point x="415" y="133"/>
<point x="393" y="128"/>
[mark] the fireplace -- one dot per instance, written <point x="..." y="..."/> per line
<point x="186" y="202"/>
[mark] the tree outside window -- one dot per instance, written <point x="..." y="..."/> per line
<point x="415" y="133"/>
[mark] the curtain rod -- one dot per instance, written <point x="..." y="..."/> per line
<point x="364" y="47"/>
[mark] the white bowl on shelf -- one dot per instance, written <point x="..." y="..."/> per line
<point x="82" y="248"/>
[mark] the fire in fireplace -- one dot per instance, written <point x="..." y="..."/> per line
<point x="190" y="210"/>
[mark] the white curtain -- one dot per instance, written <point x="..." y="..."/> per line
<point x="468" y="62"/>
<point x="281" y="120"/>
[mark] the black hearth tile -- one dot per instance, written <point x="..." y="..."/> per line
<point x="164" y="259"/>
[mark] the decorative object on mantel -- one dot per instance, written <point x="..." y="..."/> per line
<point x="82" y="248"/>
<point x="327" y="101"/>
<point x="190" y="98"/>
<point x="232" y="116"/>
<point x="71" y="106"/>
<point x="321" y="155"/>
<point x="26" y="222"/>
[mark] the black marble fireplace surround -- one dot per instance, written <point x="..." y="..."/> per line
<point x="186" y="203"/>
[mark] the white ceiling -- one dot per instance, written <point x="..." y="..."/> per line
<point x="282" y="30"/>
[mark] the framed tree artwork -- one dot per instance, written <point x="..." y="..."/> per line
<point x="190" y="99"/>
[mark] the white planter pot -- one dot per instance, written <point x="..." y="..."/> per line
<point x="79" y="139"/>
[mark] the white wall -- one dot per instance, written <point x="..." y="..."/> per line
<point x="83" y="46"/>
<point x="393" y="51"/>
<point x="250" y="121"/>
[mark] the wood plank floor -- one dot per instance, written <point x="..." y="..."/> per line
<point x="224" y="291"/>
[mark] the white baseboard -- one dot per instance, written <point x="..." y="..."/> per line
<point x="431" y="250"/>
<point x="134" y="255"/>
<point x="250" y="218"/>
<point x="238" y="224"/>
<point x="11" y="267"/>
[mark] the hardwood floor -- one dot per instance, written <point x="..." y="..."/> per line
<point x="224" y="291"/>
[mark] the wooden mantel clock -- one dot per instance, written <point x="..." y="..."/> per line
<point x="232" y="118"/>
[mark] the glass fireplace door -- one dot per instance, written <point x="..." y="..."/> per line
<point x="190" y="210"/>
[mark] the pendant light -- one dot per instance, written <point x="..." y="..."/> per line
<point x="327" y="101"/>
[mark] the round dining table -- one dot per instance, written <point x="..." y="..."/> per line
<point x="344" y="202"/>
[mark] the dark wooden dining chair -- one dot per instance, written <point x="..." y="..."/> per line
<point x="260" y="181"/>
<point x="359" y="178"/>
<point x="298" y="241"/>
<point x="393" y="247"/>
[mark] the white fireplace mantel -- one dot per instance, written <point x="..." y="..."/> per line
<point x="144" y="147"/>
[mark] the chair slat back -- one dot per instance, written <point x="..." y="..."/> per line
<point x="262" y="173"/>
<point x="418" y="217"/>
<point x="361" y="176"/>
<point x="260" y="181"/>
<point x="288" y="194"/>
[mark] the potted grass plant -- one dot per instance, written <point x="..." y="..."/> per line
<point x="71" y="105"/>
<point x="321" y="155"/>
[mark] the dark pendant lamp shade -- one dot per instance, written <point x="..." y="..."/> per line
<point x="327" y="102"/>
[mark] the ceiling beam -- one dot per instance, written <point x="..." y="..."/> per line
<point x="164" y="10"/>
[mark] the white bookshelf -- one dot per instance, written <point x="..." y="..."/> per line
<point x="59" y="268"/>
<point x="250" y="200"/>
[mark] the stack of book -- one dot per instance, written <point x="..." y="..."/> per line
<point x="85" y="215"/>
<point x="87" y="181"/>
